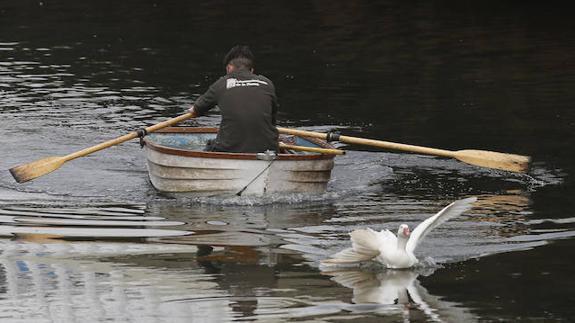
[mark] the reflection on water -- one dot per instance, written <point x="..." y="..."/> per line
<point x="118" y="282"/>
<point x="51" y="283"/>
<point x="87" y="223"/>
<point x="251" y="262"/>
<point x="401" y="289"/>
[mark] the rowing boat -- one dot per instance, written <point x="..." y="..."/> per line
<point x="177" y="162"/>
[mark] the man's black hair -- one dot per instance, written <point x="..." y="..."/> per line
<point x="240" y="56"/>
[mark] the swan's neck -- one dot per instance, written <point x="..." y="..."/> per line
<point x="401" y="242"/>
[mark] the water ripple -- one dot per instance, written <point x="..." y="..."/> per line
<point x="88" y="223"/>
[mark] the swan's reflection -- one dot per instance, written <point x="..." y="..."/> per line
<point x="402" y="292"/>
<point x="389" y="287"/>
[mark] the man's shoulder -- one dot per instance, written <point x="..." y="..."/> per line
<point x="218" y="84"/>
<point x="244" y="75"/>
<point x="246" y="80"/>
<point x="265" y="79"/>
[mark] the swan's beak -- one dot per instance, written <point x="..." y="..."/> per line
<point x="406" y="232"/>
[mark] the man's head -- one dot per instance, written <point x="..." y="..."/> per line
<point x="239" y="57"/>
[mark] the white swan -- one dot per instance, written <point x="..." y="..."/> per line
<point x="395" y="252"/>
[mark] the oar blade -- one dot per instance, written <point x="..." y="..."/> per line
<point x="30" y="171"/>
<point x="496" y="160"/>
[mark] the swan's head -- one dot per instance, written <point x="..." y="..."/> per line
<point x="403" y="231"/>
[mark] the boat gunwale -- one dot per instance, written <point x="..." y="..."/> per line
<point x="224" y="155"/>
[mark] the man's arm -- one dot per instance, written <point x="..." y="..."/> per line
<point x="207" y="100"/>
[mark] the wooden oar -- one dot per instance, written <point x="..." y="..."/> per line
<point x="326" y="151"/>
<point x="30" y="171"/>
<point x="483" y="158"/>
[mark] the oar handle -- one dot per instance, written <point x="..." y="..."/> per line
<point x="371" y="142"/>
<point x="126" y="137"/>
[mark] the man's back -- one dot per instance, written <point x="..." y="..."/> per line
<point x="248" y="105"/>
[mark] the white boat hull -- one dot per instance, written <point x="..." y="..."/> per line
<point x="174" y="170"/>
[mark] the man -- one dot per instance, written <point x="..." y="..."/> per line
<point x="248" y="105"/>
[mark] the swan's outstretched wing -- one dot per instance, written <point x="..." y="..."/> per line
<point x="452" y="210"/>
<point x="365" y="245"/>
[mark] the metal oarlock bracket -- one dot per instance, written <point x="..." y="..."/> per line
<point x="141" y="134"/>
<point x="332" y="136"/>
<point x="267" y="155"/>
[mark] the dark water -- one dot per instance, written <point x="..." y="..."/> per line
<point x="454" y="75"/>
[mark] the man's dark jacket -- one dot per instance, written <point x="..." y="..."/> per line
<point x="248" y="105"/>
